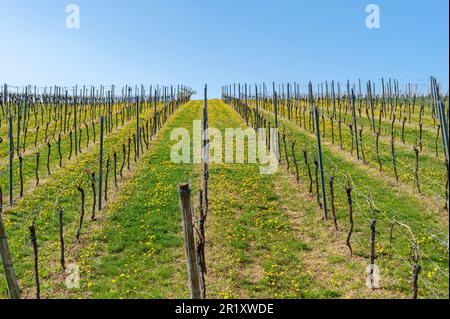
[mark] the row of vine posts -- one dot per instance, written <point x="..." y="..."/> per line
<point x="170" y="102"/>
<point x="257" y="119"/>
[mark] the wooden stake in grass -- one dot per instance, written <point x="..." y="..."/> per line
<point x="115" y="169"/>
<point x="341" y="145"/>
<point x="201" y="241"/>
<point x="81" y="190"/>
<point x="61" y="234"/>
<point x="11" y="160"/>
<point x="123" y="160"/>
<point x="70" y="147"/>
<point x="49" y="150"/>
<point x="11" y="279"/>
<point x="332" y="130"/>
<point x="36" y="136"/>
<point x="128" y="155"/>
<point x="295" y="162"/>
<point x="106" y="178"/>
<point x="33" y="239"/>
<point x="147" y="134"/>
<point x="348" y="190"/>
<point x="59" y="150"/>
<point x="21" y="175"/>
<point x="403" y="130"/>
<point x="192" y="264"/>
<point x="38" y="155"/>
<point x="416" y="168"/>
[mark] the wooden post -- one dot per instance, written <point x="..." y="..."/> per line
<point x="11" y="158"/>
<point x="319" y="150"/>
<point x="75" y="121"/>
<point x="441" y="114"/>
<point x="18" y="126"/>
<point x="61" y="234"/>
<point x="348" y="190"/>
<point x="81" y="190"/>
<point x="65" y="112"/>
<point x="21" y="175"/>
<point x="100" y="176"/>
<point x="138" y="133"/>
<point x="11" y="279"/>
<point x="204" y="200"/>
<point x="354" y="124"/>
<point x="192" y="266"/>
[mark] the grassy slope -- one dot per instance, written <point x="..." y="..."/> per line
<point x="432" y="169"/>
<point x="267" y="238"/>
<point x="139" y="251"/>
<point x="429" y="225"/>
<point x="29" y="157"/>
<point x="41" y="200"/>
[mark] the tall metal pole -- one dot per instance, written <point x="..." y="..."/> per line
<point x="319" y="150"/>
<point x="355" y="129"/>
<point x="100" y="175"/>
<point x="75" y="120"/>
<point x="11" y="158"/>
<point x="275" y="108"/>
<point x="441" y="113"/>
<point x="65" y="111"/>
<point x="257" y="108"/>
<point x="19" y="102"/>
<point x="137" y="127"/>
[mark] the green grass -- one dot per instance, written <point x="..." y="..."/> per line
<point x="41" y="202"/>
<point x="266" y="237"/>
<point x="138" y="252"/>
<point x="253" y="251"/>
<point x="429" y="225"/>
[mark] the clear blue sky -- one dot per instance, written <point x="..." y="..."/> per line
<point x="219" y="42"/>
